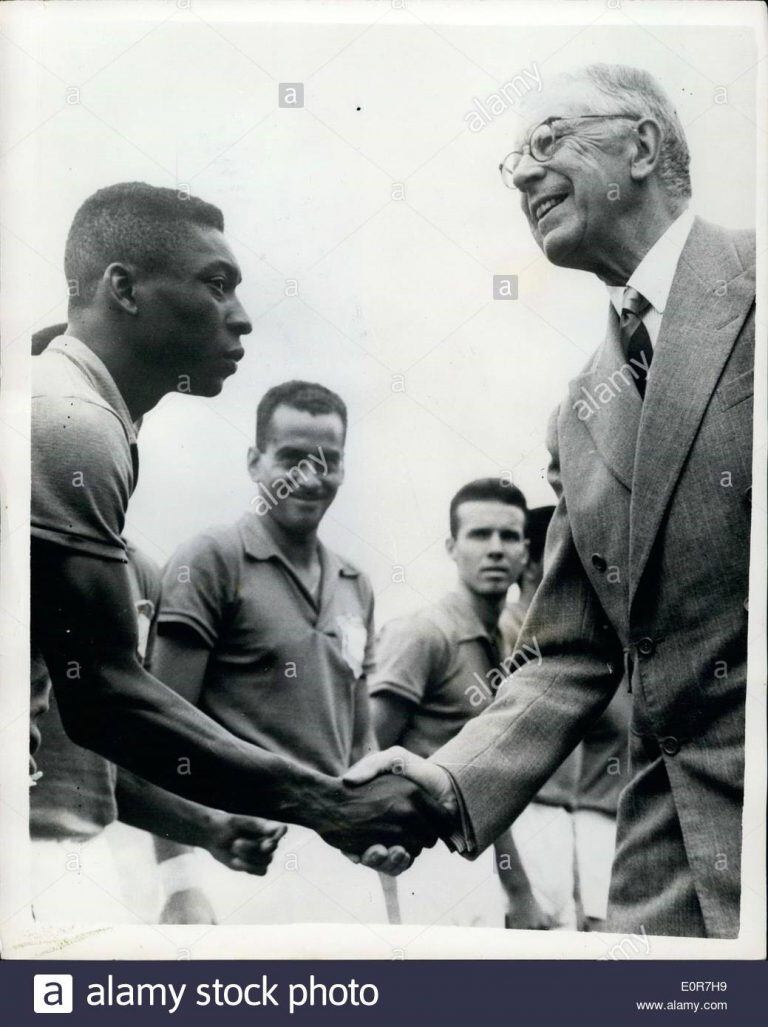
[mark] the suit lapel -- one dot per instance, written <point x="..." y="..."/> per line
<point x="710" y="297"/>
<point x="605" y="399"/>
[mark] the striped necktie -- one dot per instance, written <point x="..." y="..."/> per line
<point x="635" y="340"/>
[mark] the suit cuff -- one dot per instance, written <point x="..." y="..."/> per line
<point x="462" y="840"/>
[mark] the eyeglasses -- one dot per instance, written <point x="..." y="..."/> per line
<point x="542" y="143"/>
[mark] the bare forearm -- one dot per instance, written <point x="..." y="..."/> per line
<point x="133" y="720"/>
<point x="364" y="739"/>
<point x="175" y="822"/>
<point x="110" y="704"/>
<point x="390" y="715"/>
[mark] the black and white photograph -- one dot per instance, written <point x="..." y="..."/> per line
<point x="383" y="467"/>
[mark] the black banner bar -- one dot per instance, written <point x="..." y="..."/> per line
<point x="444" y="993"/>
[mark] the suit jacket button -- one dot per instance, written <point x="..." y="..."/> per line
<point x="670" y="746"/>
<point x="646" y="646"/>
<point x="599" y="562"/>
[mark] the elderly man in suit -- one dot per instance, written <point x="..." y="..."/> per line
<point x="646" y="565"/>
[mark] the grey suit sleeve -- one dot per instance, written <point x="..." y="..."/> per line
<point x="501" y="758"/>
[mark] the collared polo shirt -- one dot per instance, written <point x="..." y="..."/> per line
<point x="284" y="668"/>
<point x="443" y="660"/>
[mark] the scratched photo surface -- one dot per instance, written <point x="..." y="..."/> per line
<point x="293" y="454"/>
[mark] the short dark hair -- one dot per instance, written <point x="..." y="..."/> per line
<point x="485" y="490"/>
<point x="536" y="531"/>
<point x="144" y="225"/>
<point x="41" y="338"/>
<point x="308" y="396"/>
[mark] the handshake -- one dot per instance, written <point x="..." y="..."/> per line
<point x="382" y="813"/>
<point x="392" y="805"/>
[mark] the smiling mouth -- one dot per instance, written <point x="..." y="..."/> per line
<point x="542" y="207"/>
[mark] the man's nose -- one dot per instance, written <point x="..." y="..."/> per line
<point x="313" y="479"/>
<point x="495" y="548"/>
<point x="527" y="172"/>
<point x="237" y="319"/>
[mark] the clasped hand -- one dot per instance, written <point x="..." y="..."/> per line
<point x="436" y="809"/>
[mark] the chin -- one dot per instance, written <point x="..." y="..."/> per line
<point x="561" y="247"/>
<point x="486" y="588"/>
<point x="297" y="525"/>
<point x="208" y="388"/>
<point x="558" y="252"/>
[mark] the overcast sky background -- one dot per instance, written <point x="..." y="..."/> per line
<point x="387" y="287"/>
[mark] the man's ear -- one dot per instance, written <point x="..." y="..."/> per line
<point x="647" y="147"/>
<point x="450" y="545"/>
<point x="120" y="283"/>
<point x="254" y="456"/>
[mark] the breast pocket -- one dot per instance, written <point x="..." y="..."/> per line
<point x="737" y="390"/>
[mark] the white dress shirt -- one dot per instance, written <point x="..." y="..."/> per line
<point x="654" y="274"/>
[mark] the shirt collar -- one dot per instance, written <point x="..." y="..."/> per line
<point x="467" y="623"/>
<point x="260" y="544"/>
<point x="95" y="371"/>
<point x="655" y="273"/>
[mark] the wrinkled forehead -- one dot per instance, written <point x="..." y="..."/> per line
<point x="558" y="97"/>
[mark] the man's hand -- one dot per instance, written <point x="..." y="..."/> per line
<point x="245" y="843"/>
<point x="383" y="810"/>
<point x="397" y="760"/>
<point x="435" y="782"/>
<point x="188" y="906"/>
<point x="526" y="914"/>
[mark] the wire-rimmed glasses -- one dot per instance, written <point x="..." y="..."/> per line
<point x="542" y="143"/>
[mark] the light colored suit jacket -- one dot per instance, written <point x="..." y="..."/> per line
<point x="646" y="572"/>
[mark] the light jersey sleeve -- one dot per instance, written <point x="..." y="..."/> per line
<point x="200" y="585"/>
<point x="412" y="656"/>
<point x="82" y="476"/>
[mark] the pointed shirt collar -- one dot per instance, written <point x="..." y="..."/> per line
<point x="655" y="273"/>
<point x="260" y="544"/>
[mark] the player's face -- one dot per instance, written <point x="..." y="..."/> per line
<point x="300" y="469"/>
<point x="490" y="548"/>
<point x="192" y="317"/>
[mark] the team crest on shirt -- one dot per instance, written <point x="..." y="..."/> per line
<point x="353" y="641"/>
